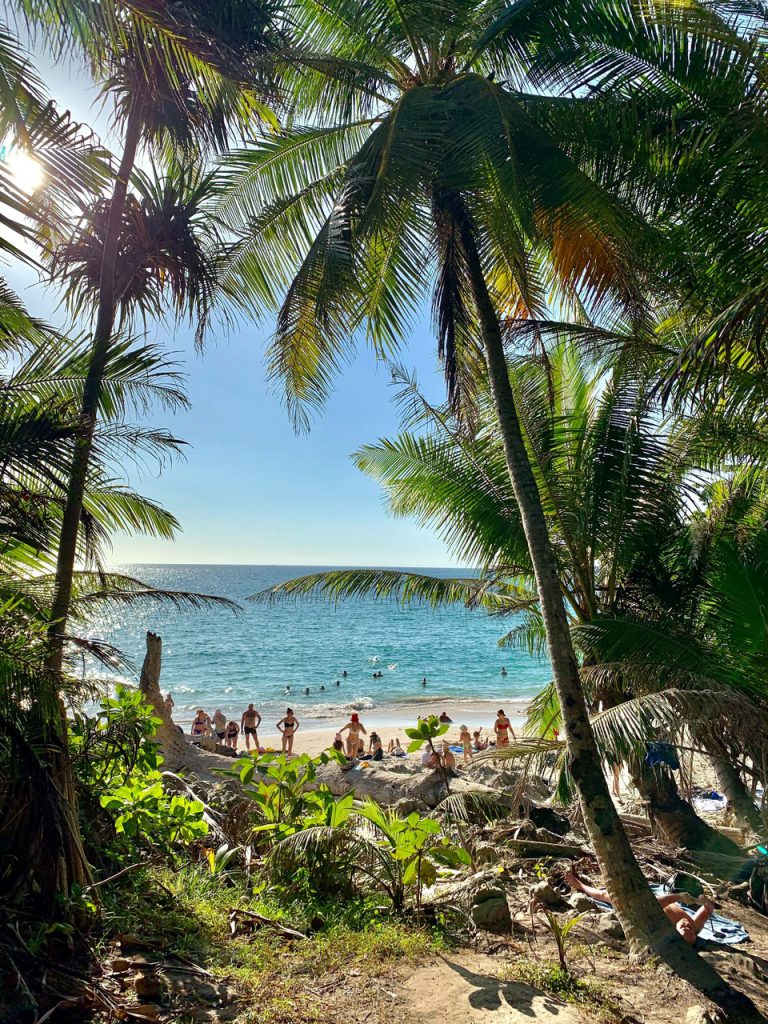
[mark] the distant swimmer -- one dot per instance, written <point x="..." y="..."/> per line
<point x="338" y="683"/>
<point x="287" y="689"/>
<point x="344" y="675"/>
<point x="504" y="671"/>
<point x="306" y="691"/>
<point x="424" y="681"/>
<point x="322" y="688"/>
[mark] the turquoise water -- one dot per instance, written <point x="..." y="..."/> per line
<point x="215" y="659"/>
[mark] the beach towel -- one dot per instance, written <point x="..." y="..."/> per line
<point x="717" y="928"/>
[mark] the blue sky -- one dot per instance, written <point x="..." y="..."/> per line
<point x="250" y="489"/>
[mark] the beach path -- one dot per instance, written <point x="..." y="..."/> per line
<point x="461" y="988"/>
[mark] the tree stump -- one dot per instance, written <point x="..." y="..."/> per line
<point x="172" y="741"/>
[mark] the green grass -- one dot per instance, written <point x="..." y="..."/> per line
<point x="549" y="977"/>
<point x="187" y="913"/>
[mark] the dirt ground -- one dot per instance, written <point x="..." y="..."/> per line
<point x="463" y="987"/>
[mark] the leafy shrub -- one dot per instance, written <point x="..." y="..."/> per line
<point x="118" y="768"/>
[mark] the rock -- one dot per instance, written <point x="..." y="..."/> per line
<point x="580" y="902"/>
<point x="544" y="893"/>
<point x="149" y="986"/>
<point x="490" y="910"/>
<point x="608" y="926"/>
<point x="546" y="818"/>
<point x="387" y="785"/>
<point x="485" y="854"/>
<point x="701" y="1015"/>
<point x="408" y="805"/>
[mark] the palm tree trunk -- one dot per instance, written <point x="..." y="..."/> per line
<point x="102" y="335"/>
<point x="73" y="864"/>
<point x="676" y="819"/>
<point x="736" y="793"/>
<point x="647" y="928"/>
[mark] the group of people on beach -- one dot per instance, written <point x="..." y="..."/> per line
<point x="350" y="740"/>
<point x="226" y="732"/>
<point x="353" y="746"/>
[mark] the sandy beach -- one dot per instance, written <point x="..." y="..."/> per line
<point x="312" y="736"/>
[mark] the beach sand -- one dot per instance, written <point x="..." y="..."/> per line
<point x="391" y="724"/>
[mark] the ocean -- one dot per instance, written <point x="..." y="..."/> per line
<point x="216" y="659"/>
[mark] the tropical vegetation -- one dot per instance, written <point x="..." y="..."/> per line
<point x="575" y="191"/>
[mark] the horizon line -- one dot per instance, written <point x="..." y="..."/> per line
<point x="297" y="565"/>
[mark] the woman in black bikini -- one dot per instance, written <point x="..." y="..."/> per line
<point x="232" y="731"/>
<point x="288" y="726"/>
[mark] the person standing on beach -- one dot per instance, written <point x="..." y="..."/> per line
<point x="201" y="725"/>
<point x="355" y="731"/>
<point x="219" y="724"/>
<point x="249" y="724"/>
<point x="233" y="731"/>
<point x="288" y="726"/>
<point x="466" y="741"/>
<point x="503" y="727"/>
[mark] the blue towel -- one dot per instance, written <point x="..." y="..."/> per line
<point x="717" y="928"/>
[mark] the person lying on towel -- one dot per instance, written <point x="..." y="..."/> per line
<point x="686" y="925"/>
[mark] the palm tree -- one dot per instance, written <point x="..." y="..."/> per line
<point x="181" y="84"/>
<point x="425" y="159"/>
<point x="179" y="89"/>
<point x="39" y="425"/>
<point x="614" y="484"/>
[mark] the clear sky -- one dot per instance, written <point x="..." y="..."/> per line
<point x="250" y="489"/>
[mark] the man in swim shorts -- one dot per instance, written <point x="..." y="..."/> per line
<point x="249" y="724"/>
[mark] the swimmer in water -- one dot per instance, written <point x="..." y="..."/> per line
<point x="322" y="688"/>
<point x="338" y="683"/>
<point x="504" y="671"/>
<point x="306" y="691"/>
<point x="424" y="681"/>
<point x="344" y="675"/>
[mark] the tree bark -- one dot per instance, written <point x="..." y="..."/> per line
<point x="175" y="747"/>
<point x="676" y="819"/>
<point x="736" y="793"/>
<point x="102" y="336"/>
<point x="647" y="928"/>
<point x="73" y="866"/>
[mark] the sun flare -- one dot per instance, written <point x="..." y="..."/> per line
<point x="28" y="173"/>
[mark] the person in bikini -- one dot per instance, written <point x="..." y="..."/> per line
<point x="355" y="731"/>
<point x="686" y="926"/>
<point x="502" y="727"/>
<point x="288" y="726"/>
<point x="201" y="725"/>
<point x="250" y="723"/>
<point x="232" y="732"/>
